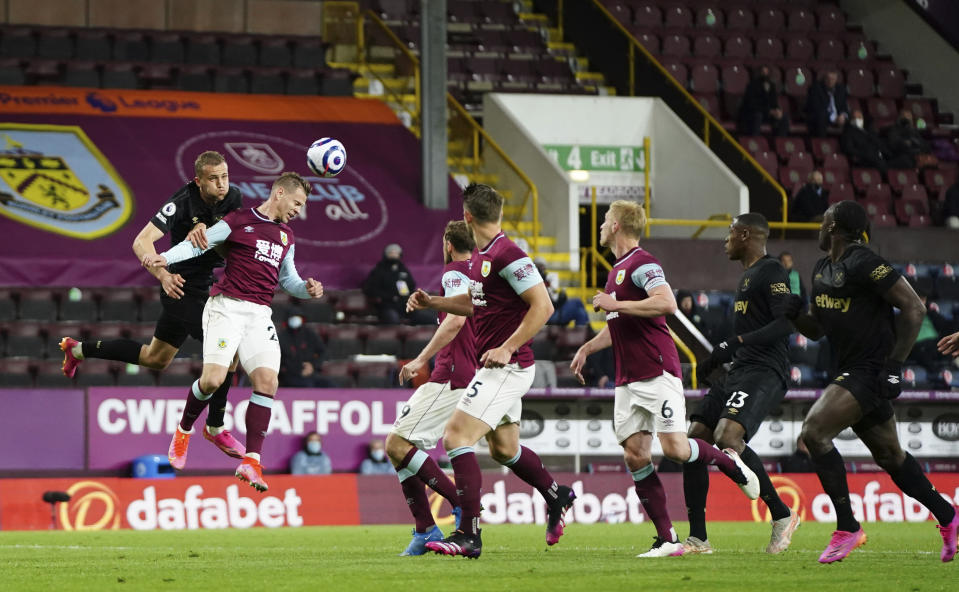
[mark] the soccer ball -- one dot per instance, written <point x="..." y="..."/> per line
<point x="326" y="157"/>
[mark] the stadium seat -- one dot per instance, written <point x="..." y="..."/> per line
<point x="131" y="375"/>
<point x="166" y="48"/>
<point x="704" y="79"/>
<point x="130" y="46"/>
<point x="878" y="192"/>
<point x="525" y="41"/>
<point x="344" y="341"/>
<point x="830" y="50"/>
<point x="308" y="53"/>
<point x="921" y="109"/>
<point x="119" y="304"/>
<point x="677" y="17"/>
<point x="937" y="180"/>
<point x="544" y="347"/>
<point x="463" y="12"/>
<point x="769" y="18"/>
<point x="647" y="15"/>
<point x="315" y="311"/>
<point x="96" y="373"/>
<point x="738" y="46"/>
<point x="40" y="72"/>
<point x="302" y="82"/>
<point x="8" y="306"/>
<point x="787" y="146"/>
<point x="194" y="77"/>
<point x="676" y="46"/>
<point x="801" y="161"/>
<point x="707" y="45"/>
<point x="862" y="178"/>
<point x="354" y="306"/>
<point x="94" y="45"/>
<point x="710" y="103"/>
<point x="916" y="193"/>
<point x="384" y="339"/>
<point x="498" y="13"/>
<point x="647" y="39"/>
<point x="790" y="176"/>
<point x="340" y="373"/>
<point x="768" y="161"/>
<point x="275" y="52"/>
<point x="797" y="81"/>
<point x="50" y="375"/>
<point x="180" y="372"/>
<point x="11" y="72"/>
<point x="376" y="375"/>
<point x="268" y="81"/>
<point x="799" y="48"/>
<point x="769" y="48"/>
<point x="155" y="76"/>
<point x="890" y="82"/>
<point x="801" y="20"/>
<point x="881" y="110"/>
<point x="16" y="372"/>
<point x="900" y="178"/>
<point x="202" y="49"/>
<point x="119" y="75"/>
<point x="81" y="74"/>
<point x="735" y="79"/>
<point x="569" y="339"/>
<point x="840" y="192"/>
<point x="18" y="42"/>
<point x="875" y="207"/>
<point x="38" y="305"/>
<point x="824" y="147"/>
<point x="230" y="80"/>
<point x="55" y="44"/>
<point x="564" y="375"/>
<point x="710" y="17"/>
<point x="677" y="71"/>
<point x="830" y="18"/>
<point x="25" y="339"/>
<point x="906" y="209"/>
<point x="239" y="51"/>
<point x="754" y="144"/>
<point x="861" y="83"/>
<point x="83" y="308"/>
<point x="919" y="221"/>
<point x="947" y="284"/>
<point x="882" y="221"/>
<point x="740" y="18"/>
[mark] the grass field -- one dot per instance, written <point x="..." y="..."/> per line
<point x="593" y="558"/>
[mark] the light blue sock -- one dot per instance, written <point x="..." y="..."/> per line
<point x="640" y="474"/>
<point x="693" y="451"/>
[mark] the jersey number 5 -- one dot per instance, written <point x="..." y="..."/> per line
<point x="737" y="399"/>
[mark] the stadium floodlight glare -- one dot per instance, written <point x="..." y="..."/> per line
<point x="579" y="176"/>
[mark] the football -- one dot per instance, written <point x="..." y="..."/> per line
<point x="326" y="157"/>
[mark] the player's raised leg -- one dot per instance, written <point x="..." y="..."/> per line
<point x="213" y="430"/>
<point x="196" y="401"/>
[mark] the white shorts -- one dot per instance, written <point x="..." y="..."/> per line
<point x="495" y="395"/>
<point x="233" y="326"/>
<point x="654" y="405"/>
<point x="424" y="417"/>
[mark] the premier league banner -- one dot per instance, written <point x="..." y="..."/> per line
<point x="82" y="171"/>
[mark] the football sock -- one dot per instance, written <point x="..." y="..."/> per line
<point x="196" y="402"/>
<point x="653" y="497"/>
<point x="528" y="467"/>
<point x="122" y="350"/>
<point x="214" y="417"/>
<point x="832" y="476"/>
<point x="469" y="486"/>
<point x="257" y="421"/>
<point x="418" y="463"/>
<point x="696" y="488"/>
<point x="711" y="455"/>
<point x="777" y="509"/>
<point x="419" y="504"/>
<point x="911" y="480"/>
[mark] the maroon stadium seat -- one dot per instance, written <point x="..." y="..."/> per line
<point x="648" y="15"/>
<point x="704" y="79"/>
<point x="676" y="46"/>
<point x="841" y="192"/>
<point x="648" y="40"/>
<point x="754" y="144"/>
<point x="875" y="207"/>
<point x="830" y="50"/>
<point x="799" y="48"/>
<point x="921" y="109"/>
<point x="796" y="86"/>
<point x="830" y="18"/>
<point x="787" y="146"/>
<point x="882" y="111"/>
<point x="865" y="177"/>
<point x="880" y="192"/>
<point x="900" y="178"/>
<point x="823" y="147"/>
<point x="890" y="82"/>
<point x="735" y="78"/>
<point x="710" y="17"/>
<point x="768" y="161"/>
<point x="938" y="179"/>
<point x="769" y="18"/>
<point x="738" y="46"/>
<point x="916" y="193"/>
<point x="920" y="220"/>
<point x="707" y="45"/>
<point x="801" y="161"/>
<point x="801" y="19"/>
<point x="860" y="82"/>
<point x="678" y="71"/>
<point x="769" y="48"/>
<point x="791" y="176"/>
<point x="882" y="220"/>
<point x="678" y="17"/>
<point x="709" y="102"/>
<point x="740" y="19"/>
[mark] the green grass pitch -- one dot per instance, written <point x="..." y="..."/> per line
<point x="590" y="558"/>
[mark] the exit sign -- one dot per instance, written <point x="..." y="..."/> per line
<point x="621" y="159"/>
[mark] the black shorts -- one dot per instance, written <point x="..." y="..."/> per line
<point x="180" y="319"/>
<point x="747" y="397"/>
<point x="863" y="383"/>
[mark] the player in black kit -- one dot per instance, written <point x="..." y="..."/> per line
<point x="732" y="410"/>
<point x="854" y="291"/>
<point x="185" y="287"/>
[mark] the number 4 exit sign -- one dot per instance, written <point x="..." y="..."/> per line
<point x="622" y="159"/>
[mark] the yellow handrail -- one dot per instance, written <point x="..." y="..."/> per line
<point x="711" y="121"/>
<point x="681" y="346"/>
<point x="477" y="133"/>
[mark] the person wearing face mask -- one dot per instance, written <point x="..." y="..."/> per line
<point x="387" y="287"/>
<point x="302" y="354"/>
<point x="311" y="460"/>
<point x="810" y="201"/>
<point x="760" y="105"/>
<point x="376" y="462"/>
<point x="864" y="148"/>
<point x="905" y="142"/>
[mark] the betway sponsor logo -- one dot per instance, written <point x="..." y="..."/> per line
<point x="529" y="507"/>
<point x="840" y="304"/>
<point x="874" y="505"/>
<point x="160" y="416"/>
<point x="194" y="511"/>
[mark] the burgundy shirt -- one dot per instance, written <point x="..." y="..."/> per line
<point x="642" y="347"/>
<point x="255" y="248"/>
<point x="456" y="363"/>
<point x="500" y="272"/>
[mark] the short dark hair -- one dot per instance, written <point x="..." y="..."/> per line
<point x="457" y="233"/>
<point x="483" y="202"/>
<point x="208" y="158"/>
<point x="753" y="220"/>
<point x="291" y="181"/>
<point x="852" y="222"/>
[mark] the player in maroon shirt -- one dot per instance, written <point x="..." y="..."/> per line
<point x="509" y="304"/>
<point x="237" y="318"/>
<point x="649" y="390"/>
<point x="420" y="424"/>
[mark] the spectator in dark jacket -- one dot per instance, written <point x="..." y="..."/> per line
<point x="302" y="354"/>
<point x="826" y="104"/>
<point x="389" y="285"/>
<point x="811" y="200"/>
<point x="761" y="105"/>
<point x="905" y="142"/>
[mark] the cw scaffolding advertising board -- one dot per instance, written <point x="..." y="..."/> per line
<point x="347" y="499"/>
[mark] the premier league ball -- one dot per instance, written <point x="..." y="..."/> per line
<point x="326" y="157"/>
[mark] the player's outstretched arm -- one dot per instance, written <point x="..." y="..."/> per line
<point x="143" y="245"/>
<point x="293" y="284"/>
<point x="540" y="309"/>
<point x="602" y="340"/>
<point x="949" y="345"/>
<point x="461" y="304"/>
<point x="445" y="333"/>
<point x="215" y="236"/>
